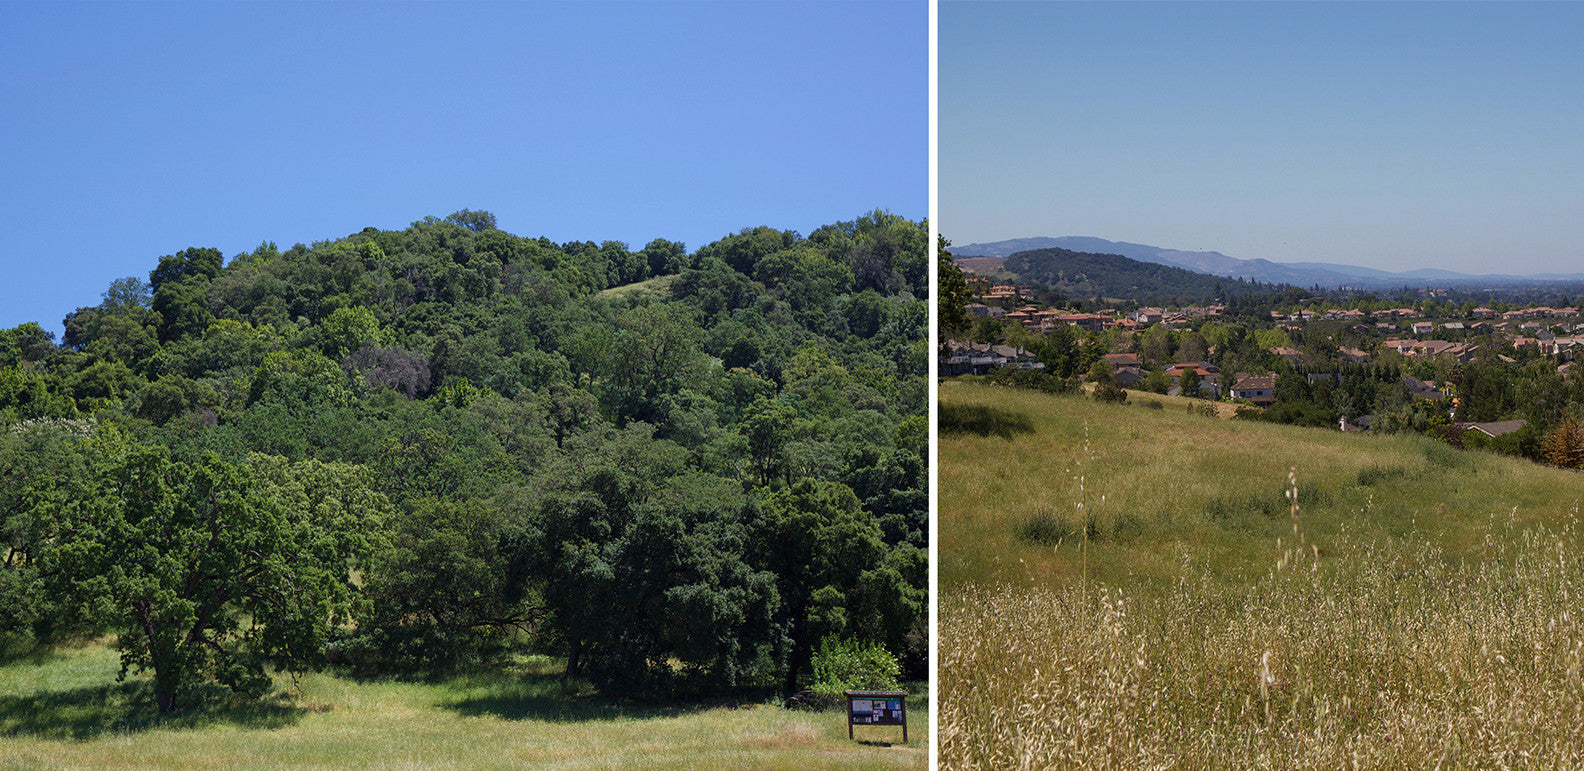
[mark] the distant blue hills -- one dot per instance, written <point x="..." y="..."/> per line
<point x="1302" y="274"/>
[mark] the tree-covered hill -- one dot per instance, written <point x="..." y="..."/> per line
<point x="1085" y="274"/>
<point x="684" y="486"/>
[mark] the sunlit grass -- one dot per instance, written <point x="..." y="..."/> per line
<point x="65" y="710"/>
<point x="1126" y="587"/>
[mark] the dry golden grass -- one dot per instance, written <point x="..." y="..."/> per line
<point x="1419" y="608"/>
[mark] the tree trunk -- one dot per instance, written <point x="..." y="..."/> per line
<point x="802" y="655"/>
<point x="574" y="665"/>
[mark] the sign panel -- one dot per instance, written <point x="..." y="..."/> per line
<point x="876" y="708"/>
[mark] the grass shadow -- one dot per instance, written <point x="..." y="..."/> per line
<point x="129" y="707"/>
<point x="983" y="420"/>
<point x="552" y="698"/>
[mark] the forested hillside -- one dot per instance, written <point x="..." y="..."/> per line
<point x="428" y="449"/>
<point x="1084" y="274"/>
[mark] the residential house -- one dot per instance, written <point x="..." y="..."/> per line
<point x="1147" y="316"/>
<point x="1260" y="390"/>
<point x="1092" y="322"/>
<point x="1209" y="376"/>
<point x="1420" y="389"/>
<point x="1495" y="429"/>
<point x="1353" y="355"/>
<point x="1127" y="377"/>
<point x="1292" y="355"/>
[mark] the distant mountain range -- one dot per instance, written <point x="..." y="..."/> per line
<point x="1302" y="274"/>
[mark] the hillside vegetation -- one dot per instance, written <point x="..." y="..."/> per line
<point x="431" y="452"/>
<point x="1125" y="586"/>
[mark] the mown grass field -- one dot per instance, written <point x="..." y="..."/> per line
<point x="1132" y="587"/>
<point x="65" y="710"/>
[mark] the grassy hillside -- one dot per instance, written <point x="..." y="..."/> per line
<point x="66" y="710"/>
<point x="660" y="285"/>
<point x="1418" y="606"/>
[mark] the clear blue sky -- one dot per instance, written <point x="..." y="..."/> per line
<point x="134" y="130"/>
<point x="1390" y="135"/>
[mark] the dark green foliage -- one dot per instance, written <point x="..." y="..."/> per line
<point x="1293" y="413"/>
<point x="35" y="461"/>
<point x="206" y="569"/>
<point x="819" y="543"/>
<point x="1034" y="380"/>
<point x="443" y="595"/>
<point x="1105" y="385"/>
<point x="556" y="469"/>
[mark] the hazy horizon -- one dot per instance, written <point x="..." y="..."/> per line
<point x="1389" y="136"/>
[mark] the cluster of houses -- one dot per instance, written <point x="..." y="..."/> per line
<point x="962" y="357"/>
<point x="1036" y="319"/>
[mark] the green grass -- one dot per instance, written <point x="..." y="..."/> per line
<point x="64" y="709"/>
<point x="1134" y="587"/>
<point x="1167" y="494"/>
<point x="658" y="285"/>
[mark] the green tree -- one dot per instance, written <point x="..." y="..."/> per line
<point x="348" y="330"/>
<point x="951" y="293"/>
<point x="818" y="541"/>
<point x="1105" y="385"/>
<point x="204" y="571"/>
<point x="768" y="425"/>
<point x="476" y="221"/>
<point x="1189" y="383"/>
<point x="656" y="352"/>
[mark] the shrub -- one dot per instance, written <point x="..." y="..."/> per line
<point x="1034" y="380"/>
<point x="851" y="665"/>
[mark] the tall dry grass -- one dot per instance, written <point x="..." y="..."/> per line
<point x="1402" y="659"/>
<point x="1133" y="588"/>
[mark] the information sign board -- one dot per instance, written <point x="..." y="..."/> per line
<point x="876" y="708"/>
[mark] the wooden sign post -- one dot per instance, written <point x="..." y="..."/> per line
<point x="876" y="708"/>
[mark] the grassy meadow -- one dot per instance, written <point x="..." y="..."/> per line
<point x="65" y="710"/>
<point x="1127" y="586"/>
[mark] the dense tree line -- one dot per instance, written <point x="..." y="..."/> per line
<point x="428" y="449"/>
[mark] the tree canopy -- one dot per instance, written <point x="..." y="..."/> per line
<point x="504" y="456"/>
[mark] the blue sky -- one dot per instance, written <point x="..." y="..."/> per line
<point x="1390" y="135"/>
<point x="134" y="130"/>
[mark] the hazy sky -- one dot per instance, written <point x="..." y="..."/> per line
<point x="134" y="130"/>
<point x="1395" y="136"/>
